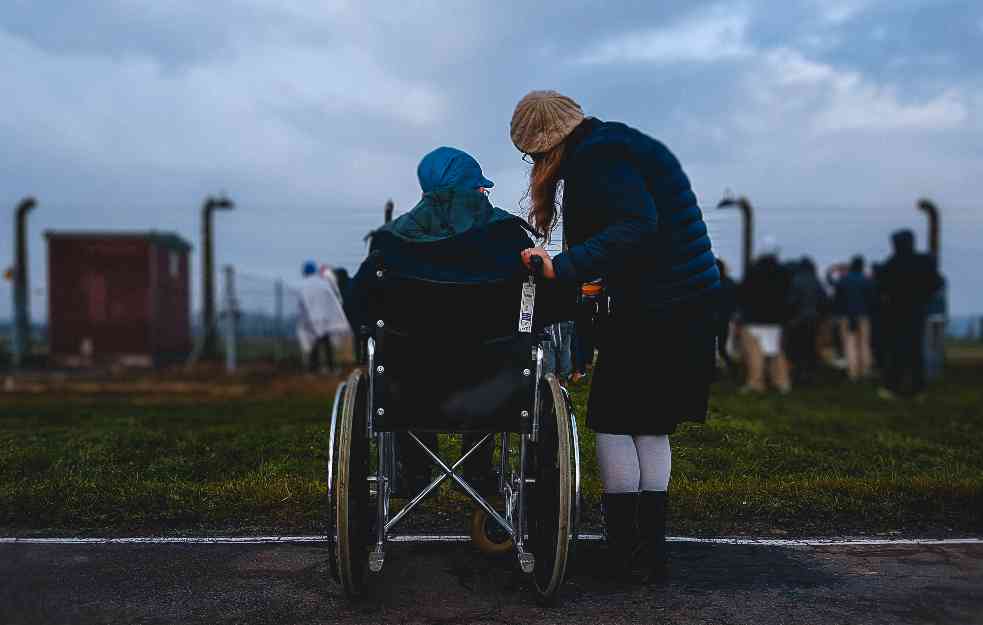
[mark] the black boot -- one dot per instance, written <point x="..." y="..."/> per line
<point x="620" y="520"/>
<point x="652" y="556"/>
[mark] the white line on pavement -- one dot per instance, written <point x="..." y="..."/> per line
<point x="452" y="538"/>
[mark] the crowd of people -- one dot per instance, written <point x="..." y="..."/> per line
<point x="783" y="321"/>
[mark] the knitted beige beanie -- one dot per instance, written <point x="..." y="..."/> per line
<point x="543" y="119"/>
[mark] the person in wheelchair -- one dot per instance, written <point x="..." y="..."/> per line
<point x="453" y="234"/>
<point x="452" y="323"/>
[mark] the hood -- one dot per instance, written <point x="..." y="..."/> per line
<point x="446" y="213"/>
<point x="450" y="168"/>
<point x="903" y="241"/>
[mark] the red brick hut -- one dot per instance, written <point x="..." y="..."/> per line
<point x="118" y="297"/>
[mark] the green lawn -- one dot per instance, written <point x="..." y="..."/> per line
<point x="828" y="460"/>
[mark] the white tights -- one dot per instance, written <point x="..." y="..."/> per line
<point x="630" y="464"/>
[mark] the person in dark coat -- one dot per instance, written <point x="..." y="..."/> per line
<point x="453" y="234"/>
<point x="726" y="310"/>
<point x="631" y="218"/>
<point x="763" y="306"/>
<point x="344" y="282"/>
<point x="906" y="284"/>
<point x="807" y="303"/>
<point x="853" y="298"/>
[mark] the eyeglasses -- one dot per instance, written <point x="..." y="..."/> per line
<point x="532" y="158"/>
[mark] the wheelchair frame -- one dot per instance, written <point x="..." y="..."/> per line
<point x="548" y="572"/>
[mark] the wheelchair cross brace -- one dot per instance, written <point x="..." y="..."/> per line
<point x="449" y="472"/>
<point x="385" y="525"/>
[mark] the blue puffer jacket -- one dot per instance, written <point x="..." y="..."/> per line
<point x="631" y="218"/>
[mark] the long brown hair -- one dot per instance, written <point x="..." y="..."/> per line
<point x="543" y="182"/>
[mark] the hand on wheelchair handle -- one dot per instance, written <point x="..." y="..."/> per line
<point x="539" y="263"/>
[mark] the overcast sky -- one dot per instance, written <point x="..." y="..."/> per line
<point x="834" y="117"/>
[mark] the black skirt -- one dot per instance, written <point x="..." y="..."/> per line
<point x="654" y="371"/>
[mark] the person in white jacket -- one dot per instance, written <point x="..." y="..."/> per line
<point x="321" y="321"/>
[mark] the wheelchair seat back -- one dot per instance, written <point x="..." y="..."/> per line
<point x="449" y="357"/>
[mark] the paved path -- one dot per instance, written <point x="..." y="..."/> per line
<point x="448" y="583"/>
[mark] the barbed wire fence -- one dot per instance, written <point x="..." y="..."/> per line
<point x="265" y="309"/>
<point x="38" y="338"/>
<point x="258" y="322"/>
<point x="257" y="319"/>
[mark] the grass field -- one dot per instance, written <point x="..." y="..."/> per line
<point x="826" y="460"/>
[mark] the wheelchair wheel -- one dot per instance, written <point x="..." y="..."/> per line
<point x="551" y="499"/>
<point x="332" y="470"/>
<point x="350" y="510"/>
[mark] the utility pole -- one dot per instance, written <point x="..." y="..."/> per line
<point x="748" y="213"/>
<point x="934" y="339"/>
<point x="934" y="227"/>
<point x="388" y="215"/>
<point x="278" y="315"/>
<point x="22" y="306"/>
<point x="212" y="204"/>
<point x="231" y="320"/>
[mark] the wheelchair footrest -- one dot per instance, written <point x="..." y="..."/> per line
<point x="376" y="559"/>
<point x="527" y="562"/>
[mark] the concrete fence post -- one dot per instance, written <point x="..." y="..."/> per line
<point x="231" y="320"/>
<point x="21" y="343"/>
<point x="278" y="316"/>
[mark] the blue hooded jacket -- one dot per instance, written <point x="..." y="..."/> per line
<point x="632" y="218"/>
<point x="453" y="234"/>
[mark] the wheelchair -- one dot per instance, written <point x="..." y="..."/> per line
<point x="450" y="357"/>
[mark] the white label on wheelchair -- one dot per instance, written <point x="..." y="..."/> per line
<point x="526" y="306"/>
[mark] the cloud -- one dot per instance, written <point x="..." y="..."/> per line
<point x="857" y="106"/>
<point x="124" y="114"/>
<point x="840" y="11"/>
<point x="837" y="100"/>
<point x="717" y="34"/>
<point x="242" y="116"/>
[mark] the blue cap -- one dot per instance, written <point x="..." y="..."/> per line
<point x="310" y="268"/>
<point x="450" y="168"/>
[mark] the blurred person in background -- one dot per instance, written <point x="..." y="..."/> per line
<point x="853" y="298"/>
<point x="344" y="282"/>
<point x="906" y="284"/>
<point x="878" y="335"/>
<point x="807" y="303"/>
<point x="630" y="217"/>
<point x="726" y="311"/>
<point x="321" y="321"/>
<point x="581" y="345"/>
<point x="557" y="350"/>
<point x="763" y="305"/>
